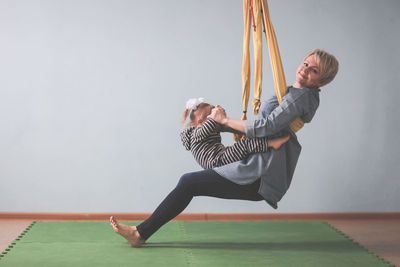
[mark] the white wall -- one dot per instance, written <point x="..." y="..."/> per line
<point x="91" y="92"/>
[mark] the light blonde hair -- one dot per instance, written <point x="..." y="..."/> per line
<point x="327" y="63"/>
<point x="202" y="110"/>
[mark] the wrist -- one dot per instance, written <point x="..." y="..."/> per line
<point x="225" y="121"/>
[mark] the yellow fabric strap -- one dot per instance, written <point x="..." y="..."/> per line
<point x="252" y="15"/>
<point x="256" y="12"/>
<point x="246" y="57"/>
<point x="276" y="63"/>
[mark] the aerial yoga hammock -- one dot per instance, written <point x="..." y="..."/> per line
<point x="256" y="12"/>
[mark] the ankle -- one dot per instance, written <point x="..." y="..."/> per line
<point x="139" y="237"/>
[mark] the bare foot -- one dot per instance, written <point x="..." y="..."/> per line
<point x="276" y="143"/>
<point x="130" y="233"/>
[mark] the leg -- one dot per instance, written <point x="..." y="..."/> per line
<point x="202" y="183"/>
<point x="243" y="148"/>
<point x="276" y="143"/>
<point x="240" y="150"/>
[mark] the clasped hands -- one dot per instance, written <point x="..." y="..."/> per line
<point x="218" y="114"/>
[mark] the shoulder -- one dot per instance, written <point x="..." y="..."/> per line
<point x="303" y="91"/>
<point x="302" y="94"/>
<point x="308" y="99"/>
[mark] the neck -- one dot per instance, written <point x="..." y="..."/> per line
<point x="297" y="85"/>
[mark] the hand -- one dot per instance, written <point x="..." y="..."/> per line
<point x="218" y="114"/>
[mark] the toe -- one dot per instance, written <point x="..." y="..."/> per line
<point x="113" y="223"/>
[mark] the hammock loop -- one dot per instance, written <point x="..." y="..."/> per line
<point x="244" y="117"/>
<point x="256" y="106"/>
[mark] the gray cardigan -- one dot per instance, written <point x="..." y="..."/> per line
<point x="274" y="167"/>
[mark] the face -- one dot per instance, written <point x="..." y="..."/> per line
<point x="201" y="115"/>
<point x="308" y="73"/>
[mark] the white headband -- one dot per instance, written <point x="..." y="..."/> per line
<point x="193" y="103"/>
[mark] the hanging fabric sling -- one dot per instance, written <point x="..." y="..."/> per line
<point x="256" y="13"/>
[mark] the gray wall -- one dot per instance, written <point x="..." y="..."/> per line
<point x="91" y="93"/>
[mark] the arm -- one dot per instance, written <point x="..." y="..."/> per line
<point x="279" y="119"/>
<point x="238" y="125"/>
<point x="276" y="121"/>
<point x="229" y="130"/>
<point x="205" y="130"/>
<point x="238" y="151"/>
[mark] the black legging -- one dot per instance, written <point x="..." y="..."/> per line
<point x="201" y="183"/>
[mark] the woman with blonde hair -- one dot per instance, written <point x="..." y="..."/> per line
<point x="261" y="176"/>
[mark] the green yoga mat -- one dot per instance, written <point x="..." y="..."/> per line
<point x="179" y="243"/>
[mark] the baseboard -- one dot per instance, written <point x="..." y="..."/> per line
<point x="204" y="216"/>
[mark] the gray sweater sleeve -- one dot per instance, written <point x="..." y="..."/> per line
<point x="279" y="118"/>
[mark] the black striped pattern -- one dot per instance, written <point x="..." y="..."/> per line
<point x="205" y="144"/>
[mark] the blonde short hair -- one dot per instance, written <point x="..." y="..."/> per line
<point x="328" y="65"/>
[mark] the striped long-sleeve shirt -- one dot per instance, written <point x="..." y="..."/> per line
<point x="204" y="142"/>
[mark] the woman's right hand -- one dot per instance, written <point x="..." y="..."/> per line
<point x="218" y="114"/>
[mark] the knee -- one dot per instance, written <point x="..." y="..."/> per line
<point x="191" y="182"/>
<point x="186" y="181"/>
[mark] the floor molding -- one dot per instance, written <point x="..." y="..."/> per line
<point x="204" y="216"/>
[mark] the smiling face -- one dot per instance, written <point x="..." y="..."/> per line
<point x="308" y="74"/>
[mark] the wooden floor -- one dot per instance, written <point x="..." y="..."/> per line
<point x="381" y="237"/>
